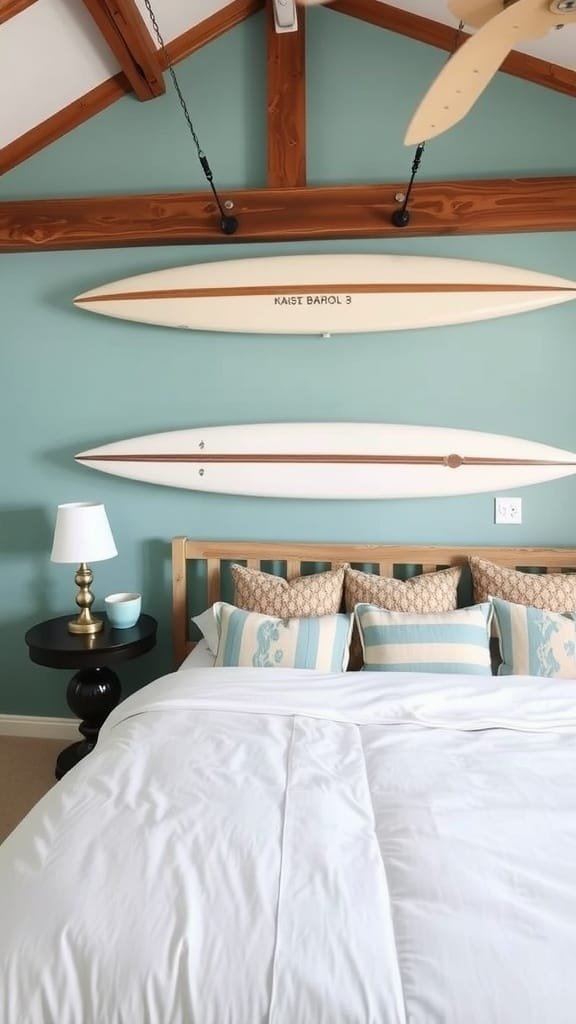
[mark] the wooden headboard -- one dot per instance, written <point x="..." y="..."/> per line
<point x="200" y="568"/>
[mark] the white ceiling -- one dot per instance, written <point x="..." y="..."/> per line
<point x="76" y="58"/>
<point x="559" y="47"/>
<point x="44" y="85"/>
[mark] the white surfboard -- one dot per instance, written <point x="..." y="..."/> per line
<point x="333" y="460"/>
<point x="333" y="294"/>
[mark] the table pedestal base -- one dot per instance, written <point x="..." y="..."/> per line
<point x="92" y="694"/>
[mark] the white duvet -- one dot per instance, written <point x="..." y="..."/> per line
<point x="253" y="847"/>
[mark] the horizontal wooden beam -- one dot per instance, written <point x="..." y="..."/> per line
<point x="489" y="206"/>
<point x="8" y="8"/>
<point x="124" y="30"/>
<point x="435" y="33"/>
<point x="102" y="96"/>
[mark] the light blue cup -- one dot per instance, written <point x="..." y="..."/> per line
<point x="123" y="610"/>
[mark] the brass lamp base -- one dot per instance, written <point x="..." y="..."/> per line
<point x="85" y="622"/>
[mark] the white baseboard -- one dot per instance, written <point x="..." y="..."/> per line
<point x="45" y="728"/>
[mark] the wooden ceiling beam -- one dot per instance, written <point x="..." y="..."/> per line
<point x="105" y="94"/>
<point x="491" y="206"/>
<point x="286" y="103"/>
<point x="405" y="23"/>
<point x="8" y="8"/>
<point x="125" y="32"/>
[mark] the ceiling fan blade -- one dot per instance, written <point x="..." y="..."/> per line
<point x="465" y="76"/>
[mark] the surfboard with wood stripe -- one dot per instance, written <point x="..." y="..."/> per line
<point x="331" y="294"/>
<point x="333" y="460"/>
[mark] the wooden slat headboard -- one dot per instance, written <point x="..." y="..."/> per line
<point x="290" y="560"/>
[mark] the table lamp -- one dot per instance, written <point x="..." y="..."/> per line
<point x="82" y="534"/>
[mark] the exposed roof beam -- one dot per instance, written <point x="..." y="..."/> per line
<point x="113" y="89"/>
<point x="541" y="72"/>
<point x="125" y="32"/>
<point x="491" y="206"/>
<point x="286" y="103"/>
<point x="8" y="8"/>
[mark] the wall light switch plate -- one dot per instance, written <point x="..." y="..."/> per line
<point x="285" y="15"/>
<point x="507" y="511"/>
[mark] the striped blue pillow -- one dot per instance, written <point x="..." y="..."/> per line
<point x="534" y="642"/>
<point x="448" y="642"/>
<point x="265" y="641"/>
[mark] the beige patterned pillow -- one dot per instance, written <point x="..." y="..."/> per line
<point x="554" y="592"/>
<point x="430" y="592"/>
<point x="303" y="597"/>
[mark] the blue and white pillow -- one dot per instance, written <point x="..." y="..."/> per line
<point x="447" y="642"/>
<point x="265" y="641"/>
<point x="534" y="642"/>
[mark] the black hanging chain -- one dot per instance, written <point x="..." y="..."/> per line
<point x="457" y="36"/>
<point x="228" y="224"/>
<point x="400" y="218"/>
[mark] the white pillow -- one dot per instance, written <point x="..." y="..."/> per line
<point x="208" y="626"/>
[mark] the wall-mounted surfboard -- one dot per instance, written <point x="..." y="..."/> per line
<point x="333" y="460"/>
<point x="334" y="294"/>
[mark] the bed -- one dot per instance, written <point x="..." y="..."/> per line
<point x="250" y="845"/>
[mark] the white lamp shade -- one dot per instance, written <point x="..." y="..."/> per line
<point x="82" y="534"/>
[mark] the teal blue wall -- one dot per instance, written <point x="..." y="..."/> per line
<point x="70" y="380"/>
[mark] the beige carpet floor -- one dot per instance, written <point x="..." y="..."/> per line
<point x="26" y="773"/>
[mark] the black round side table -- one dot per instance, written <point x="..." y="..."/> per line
<point x="95" y="688"/>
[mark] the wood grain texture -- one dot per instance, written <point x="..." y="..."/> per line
<point x="491" y="206"/>
<point x="286" y="103"/>
<point x="8" y="8"/>
<point x="179" y="585"/>
<point x="384" y="557"/>
<point x="293" y="568"/>
<point x="125" y="32"/>
<point x="375" y="288"/>
<point x="450" y="460"/>
<point x="392" y="554"/>
<point x="115" y="88"/>
<point x="425" y="30"/>
<point x="213" y="580"/>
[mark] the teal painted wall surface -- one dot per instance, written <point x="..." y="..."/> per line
<point x="70" y="380"/>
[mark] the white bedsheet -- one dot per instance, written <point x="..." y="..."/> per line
<point x="246" y="847"/>
<point x="200" y="657"/>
